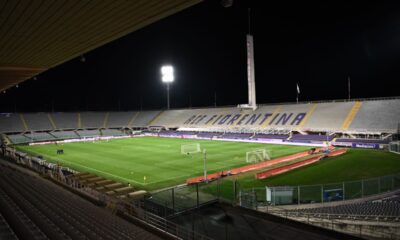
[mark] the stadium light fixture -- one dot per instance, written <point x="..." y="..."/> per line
<point x="167" y="76"/>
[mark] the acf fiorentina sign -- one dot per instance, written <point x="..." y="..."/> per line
<point x="279" y="119"/>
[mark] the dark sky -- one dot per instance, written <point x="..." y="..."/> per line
<point x="315" y="44"/>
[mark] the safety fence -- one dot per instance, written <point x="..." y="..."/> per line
<point x="285" y="195"/>
<point x="172" y="201"/>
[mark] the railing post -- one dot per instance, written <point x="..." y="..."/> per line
<point x="218" y="188"/>
<point x="322" y="193"/>
<point x="197" y="192"/>
<point x="298" y="195"/>
<point x="234" y="192"/>
<point x="165" y="209"/>
<point x="344" y="191"/>
<point x="240" y="198"/>
<point x="255" y="199"/>
<point x="173" y="200"/>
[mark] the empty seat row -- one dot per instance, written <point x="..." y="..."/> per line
<point x="381" y="208"/>
<point x="6" y="232"/>
<point x="52" y="212"/>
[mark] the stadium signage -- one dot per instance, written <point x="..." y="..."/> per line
<point x="85" y="139"/>
<point x="281" y="119"/>
<point x="366" y="145"/>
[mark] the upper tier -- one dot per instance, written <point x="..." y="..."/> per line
<point x="377" y="116"/>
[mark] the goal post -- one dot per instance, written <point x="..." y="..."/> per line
<point x="394" y="147"/>
<point x="190" y="148"/>
<point x="258" y="155"/>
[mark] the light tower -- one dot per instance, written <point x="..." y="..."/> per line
<point x="250" y="71"/>
<point x="167" y="76"/>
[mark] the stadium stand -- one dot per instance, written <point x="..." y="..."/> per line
<point x="380" y="116"/>
<point x="64" y="134"/>
<point x="37" y="121"/>
<point x="5" y="230"/>
<point x="92" y="119"/>
<point x="10" y="122"/>
<point x="65" y="120"/>
<point x="394" y="198"/>
<point x="39" y="136"/>
<point x="144" y="118"/>
<point x="112" y="132"/>
<point x="301" y="123"/>
<point x="88" y="133"/>
<point x="120" y="119"/>
<point x="36" y="208"/>
<point x="382" y="208"/>
<point x="18" y="138"/>
<point x="328" y="116"/>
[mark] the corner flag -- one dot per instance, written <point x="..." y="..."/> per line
<point x="298" y="89"/>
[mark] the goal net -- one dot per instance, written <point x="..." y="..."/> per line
<point x="394" y="147"/>
<point x="190" y="148"/>
<point x="258" y="155"/>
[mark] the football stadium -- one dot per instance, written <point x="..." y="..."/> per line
<point x="303" y="169"/>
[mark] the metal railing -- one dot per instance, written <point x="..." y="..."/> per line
<point x="320" y="193"/>
<point x="172" y="228"/>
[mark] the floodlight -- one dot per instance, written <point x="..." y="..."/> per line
<point x="167" y="77"/>
<point x="167" y="74"/>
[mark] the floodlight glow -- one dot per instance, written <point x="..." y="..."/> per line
<point x="167" y="74"/>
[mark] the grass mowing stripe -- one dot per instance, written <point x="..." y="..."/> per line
<point x="115" y="176"/>
<point x="159" y="159"/>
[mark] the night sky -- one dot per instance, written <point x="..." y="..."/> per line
<point x="319" y="45"/>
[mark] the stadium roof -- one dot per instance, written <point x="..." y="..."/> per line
<point x="38" y="35"/>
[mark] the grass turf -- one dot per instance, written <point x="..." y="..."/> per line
<point x="158" y="159"/>
<point x="356" y="164"/>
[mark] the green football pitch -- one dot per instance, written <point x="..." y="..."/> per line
<point x="150" y="162"/>
<point x="355" y="165"/>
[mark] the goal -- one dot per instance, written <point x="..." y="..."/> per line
<point x="394" y="147"/>
<point x="190" y="148"/>
<point x="258" y="155"/>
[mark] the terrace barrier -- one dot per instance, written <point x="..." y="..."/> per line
<point x="320" y="193"/>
